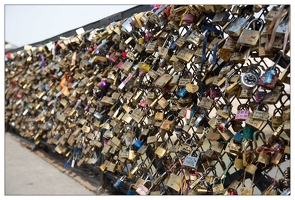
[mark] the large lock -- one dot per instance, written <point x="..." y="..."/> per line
<point x="250" y="37"/>
<point x="250" y="79"/>
<point x="236" y="26"/>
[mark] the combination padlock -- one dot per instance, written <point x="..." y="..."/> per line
<point x="250" y="79"/>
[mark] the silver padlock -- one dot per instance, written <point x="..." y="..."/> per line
<point x="126" y="26"/>
<point x="235" y="28"/>
<point x="220" y="18"/>
<point x="250" y="79"/>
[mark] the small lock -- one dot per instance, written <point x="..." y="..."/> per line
<point x="269" y="79"/>
<point x="248" y="132"/>
<point x="263" y="157"/>
<point x="119" y="182"/>
<point x="261" y="112"/>
<point x="182" y="92"/>
<point x="220" y="18"/>
<point x="242" y="112"/>
<point x="277" y="118"/>
<point x="248" y="153"/>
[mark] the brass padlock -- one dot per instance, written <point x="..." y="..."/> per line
<point x="249" y="37"/>
<point x="185" y="54"/>
<point x="261" y="112"/>
<point x="238" y="163"/>
<point x="248" y="154"/>
<point x="195" y="38"/>
<point x="263" y="157"/>
<point x="277" y="119"/>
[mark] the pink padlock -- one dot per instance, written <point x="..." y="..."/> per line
<point x="143" y="104"/>
<point x="19" y="95"/>
<point x="113" y="57"/>
<point x="188" y="19"/>
<point x="215" y="93"/>
<point x="242" y="112"/>
<point x="120" y="65"/>
<point x="147" y="36"/>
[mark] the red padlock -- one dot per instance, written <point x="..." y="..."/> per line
<point x="167" y="11"/>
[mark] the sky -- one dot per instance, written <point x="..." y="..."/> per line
<point x="26" y="24"/>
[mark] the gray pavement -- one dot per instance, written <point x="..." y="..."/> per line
<point x="26" y="173"/>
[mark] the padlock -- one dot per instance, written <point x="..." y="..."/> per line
<point x="261" y="112"/>
<point x="251" y="168"/>
<point x="175" y="182"/>
<point x="151" y="47"/>
<point x="249" y="37"/>
<point x="161" y="150"/>
<point x="195" y="38"/>
<point x="215" y="92"/>
<point x="263" y="157"/>
<point x="250" y="79"/>
<point x="248" y="132"/>
<point x="169" y="123"/>
<point x="247" y="153"/>
<point x="237" y="9"/>
<point x="274" y="95"/>
<point x="242" y="112"/>
<point x="234" y="147"/>
<point x="142" y="189"/>
<point x="257" y="124"/>
<point x="277" y="119"/>
<point x="217" y="188"/>
<point x="220" y="18"/>
<point x="191" y="161"/>
<point x="236" y="26"/>
<point x="119" y="182"/>
<point x="269" y="79"/>
<point x="238" y="162"/>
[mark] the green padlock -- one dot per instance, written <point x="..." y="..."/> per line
<point x="248" y="132"/>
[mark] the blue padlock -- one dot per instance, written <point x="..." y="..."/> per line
<point x="172" y="47"/>
<point x="138" y="143"/>
<point x="119" y="182"/>
<point x="131" y="192"/>
<point x="182" y="92"/>
<point x="268" y="76"/>
<point x="238" y="137"/>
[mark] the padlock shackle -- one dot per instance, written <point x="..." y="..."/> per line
<point x="259" y="132"/>
<point x="256" y="20"/>
<point x="247" y="144"/>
